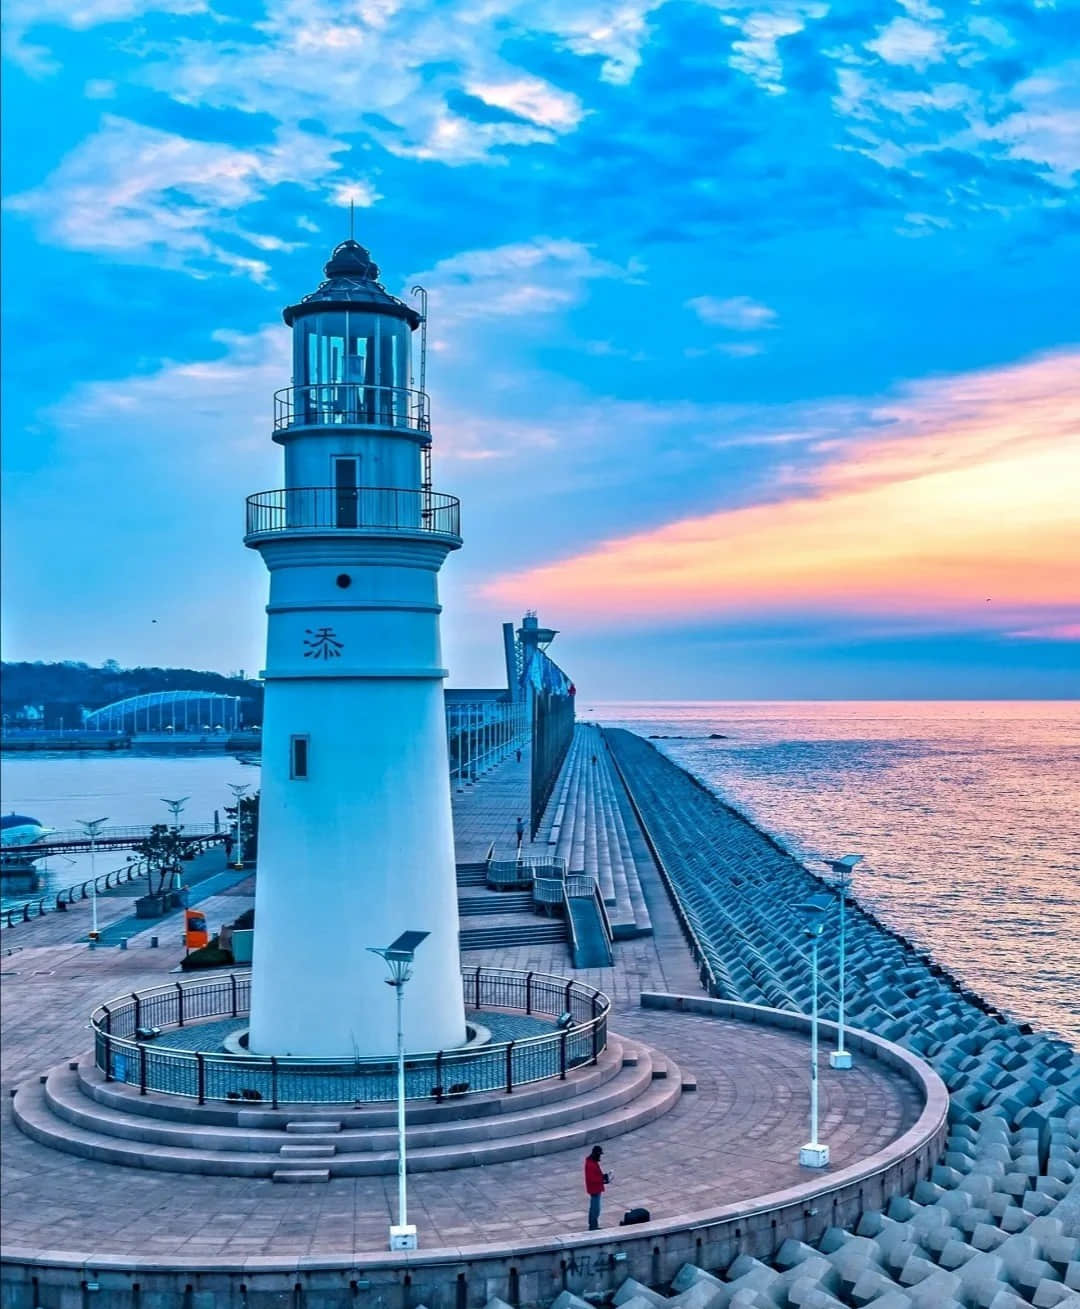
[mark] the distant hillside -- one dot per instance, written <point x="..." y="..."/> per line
<point x="63" y="690"/>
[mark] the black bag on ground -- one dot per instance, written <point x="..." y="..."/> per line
<point x="633" y="1216"/>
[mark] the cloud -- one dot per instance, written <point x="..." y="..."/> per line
<point x="956" y="492"/>
<point x="405" y="75"/>
<point x="21" y="16"/>
<point x="739" y="313"/>
<point x="909" y="44"/>
<point x="1045" y="129"/>
<point x="141" y="195"/>
<point x="526" y="278"/>
<point x="215" y="409"/>
<point x="1051" y="632"/>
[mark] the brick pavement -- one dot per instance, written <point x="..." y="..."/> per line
<point x="737" y="1135"/>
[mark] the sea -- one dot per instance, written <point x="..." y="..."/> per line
<point x="967" y="815"/>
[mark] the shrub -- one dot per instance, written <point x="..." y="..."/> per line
<point x="210" y="955"/>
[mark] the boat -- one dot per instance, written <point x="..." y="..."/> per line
<point x="18" y="830"/>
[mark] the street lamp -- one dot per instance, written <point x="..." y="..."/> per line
<point x="399" y="955"/>
<point x="239" y="791"/>
<point x="92" y="826"/>
<point x="841" y="1058"/>
<point x="176" y="808"/>
<point x="813" y="1154"/>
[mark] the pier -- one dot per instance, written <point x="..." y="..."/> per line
<point x="703" y="1121"/>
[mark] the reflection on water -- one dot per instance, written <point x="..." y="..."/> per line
<point x="968" y="815"/>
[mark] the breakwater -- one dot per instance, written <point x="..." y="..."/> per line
<point x="1001" y="1215"/>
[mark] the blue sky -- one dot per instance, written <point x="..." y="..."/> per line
<point x="755" y="328"/>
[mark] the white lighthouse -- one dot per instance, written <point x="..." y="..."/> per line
<point x="356" y="842"/>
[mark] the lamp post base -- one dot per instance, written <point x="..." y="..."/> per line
<point x="840" y="1059"/>
<point x="403" y="1238"/>
<point x="814" y="1155"/>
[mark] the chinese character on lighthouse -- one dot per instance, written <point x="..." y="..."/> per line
<point x="356" y="842"/>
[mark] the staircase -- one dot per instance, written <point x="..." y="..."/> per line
<point x="472" y="874"/>
<point x="542" y="932"/>
<point x="588" y="824"/>
<point x="498" y="902"/>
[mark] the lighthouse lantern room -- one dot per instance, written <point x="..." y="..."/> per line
<point x="355" y="835"/>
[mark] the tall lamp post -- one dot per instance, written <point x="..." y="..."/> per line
<point x="92" y="826"/>
<point x="841" y="1058"/>
<point x="176" y="808"/>
<point x="399" y="956"/>
<point x="239" y="790"/>
<point x="813" y="1154"/>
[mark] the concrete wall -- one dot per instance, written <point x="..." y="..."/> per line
<point x="526" y="1275"/>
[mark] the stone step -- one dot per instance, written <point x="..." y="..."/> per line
<point x="627" y="1079"/>
<point x="307" y="1151"/>
<point x="542" y="932"/>
<point x="506" y="902"/>
<point x="35" y="1117"/>
<point x="306" y="1127"/>
<point x="300" y="1175"/>
<point x="472" y="874"/>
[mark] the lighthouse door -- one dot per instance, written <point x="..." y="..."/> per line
<point x="345" y="493"/>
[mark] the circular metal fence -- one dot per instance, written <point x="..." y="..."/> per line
<point x="124" y="1052"/>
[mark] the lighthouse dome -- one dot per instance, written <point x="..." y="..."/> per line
<point x="352" y="282"/>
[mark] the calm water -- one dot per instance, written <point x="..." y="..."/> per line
<point x="968" y="815"/>
<point x="59" y="789"/>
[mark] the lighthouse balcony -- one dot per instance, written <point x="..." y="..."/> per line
<point x="351" y="404"/>
<point x="359" y="510"/>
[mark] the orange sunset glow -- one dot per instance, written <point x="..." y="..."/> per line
<point x="966" y="510"/>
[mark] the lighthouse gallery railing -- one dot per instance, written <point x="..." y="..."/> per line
<point x="351" y="404"/>
<point x="353" y="508"/>
<point x="124" y="1056"/>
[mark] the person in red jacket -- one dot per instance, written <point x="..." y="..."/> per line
<point x="595" y="1181"/>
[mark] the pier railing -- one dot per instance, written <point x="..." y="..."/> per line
<point x="124" y="1053"/>
<point x="56" y="901"/>
<point x="351" y="404"/>
<point x="353" y="509"/>
<point x="198" y="837"/>
<point x="482" y="733"/>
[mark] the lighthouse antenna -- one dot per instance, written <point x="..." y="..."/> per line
<point x="421" y="294"/>
<point x="352" y="210"/>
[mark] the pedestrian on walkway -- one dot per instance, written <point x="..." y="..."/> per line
<point x="520" y="830"/>
<point x="519" y="756"/>
<point x="595" y="1181"/>
<point x="228" y="849"/>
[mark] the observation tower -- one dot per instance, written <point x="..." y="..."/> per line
<point x="356" y="842"/>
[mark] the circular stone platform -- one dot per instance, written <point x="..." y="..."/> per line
<point x="734" y="1138"/>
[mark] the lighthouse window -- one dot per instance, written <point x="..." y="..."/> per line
<point x="299" y="756"/>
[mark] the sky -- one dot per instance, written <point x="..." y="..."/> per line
<point x="754" y="327"/>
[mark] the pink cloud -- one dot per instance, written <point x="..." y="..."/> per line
<point x="1051" y="632"/>
<point x="968" y="499"/>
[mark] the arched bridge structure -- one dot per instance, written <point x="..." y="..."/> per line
<point x="168" y="711"/>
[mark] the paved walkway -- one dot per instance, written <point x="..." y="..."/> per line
<point x="114" y="907"/>
<point x="737" y="1135"/>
